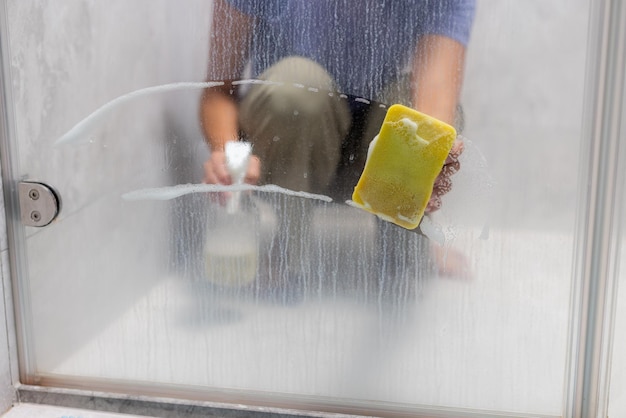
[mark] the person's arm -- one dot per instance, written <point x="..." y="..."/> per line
<point x="219" y="118"/>
<point x="437" y="77"/>
<point x="228" y="53"/>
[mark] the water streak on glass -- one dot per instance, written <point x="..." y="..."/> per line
<point x="328" y="302"/>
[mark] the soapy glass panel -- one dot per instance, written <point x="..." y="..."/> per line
<point x="314" y="298"/>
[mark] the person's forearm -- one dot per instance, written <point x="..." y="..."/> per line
<point x="218" y="113"/>
<point x="437" y="76"/>
<point x="228" y="53"/>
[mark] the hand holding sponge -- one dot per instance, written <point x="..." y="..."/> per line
<point x="402" y="164"/>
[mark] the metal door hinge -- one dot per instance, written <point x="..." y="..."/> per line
<point x="39" y="203"/>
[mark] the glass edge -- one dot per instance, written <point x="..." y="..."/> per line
<point x="616" y="239"/>
<point x="594" y="274"/>
<point x="23" y="364"/>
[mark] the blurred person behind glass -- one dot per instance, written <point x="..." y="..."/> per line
<point x="410" y="52"/>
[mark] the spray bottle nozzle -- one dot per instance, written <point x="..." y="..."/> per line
<point x="237" y="160"/>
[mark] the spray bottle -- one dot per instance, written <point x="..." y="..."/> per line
<point x="232" y="242"/>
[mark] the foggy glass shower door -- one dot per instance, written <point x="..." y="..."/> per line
<point x="342" y="309"/>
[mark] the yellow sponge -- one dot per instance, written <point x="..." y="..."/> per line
<point x="402" y="164"/>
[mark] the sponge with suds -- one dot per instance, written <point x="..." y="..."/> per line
<point x="402" y="164"/>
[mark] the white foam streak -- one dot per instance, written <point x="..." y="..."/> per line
<point x="80" y="132"/>
<point x="172" y="192"/>
<point x="432" y="230"/>
<point x="257" y="81"/>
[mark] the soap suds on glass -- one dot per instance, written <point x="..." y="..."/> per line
<point x="172" y="192"/>
<point x="472" y="180"/>
<point x="79" y="133"/>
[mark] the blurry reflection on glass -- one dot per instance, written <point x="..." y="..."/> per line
<point x="329" y="67"/>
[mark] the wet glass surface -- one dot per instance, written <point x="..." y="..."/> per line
<point x="309" y="296"/>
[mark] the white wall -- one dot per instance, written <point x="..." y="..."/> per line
<point x="523" y="97"/>
<point x="67" y="59"/>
